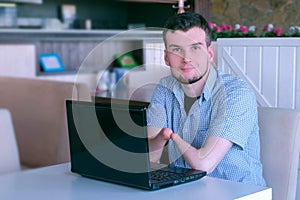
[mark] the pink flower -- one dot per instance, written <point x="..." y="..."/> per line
<point x="278" y="31"/>
<point x="211" y="25"/>
<point x="226" y="27"/>
<point x="218" y="29"/>
<point x="243" y="29"/>
<point x="229" y="27"/>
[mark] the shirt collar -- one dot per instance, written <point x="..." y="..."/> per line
<point x="212" y="77"/>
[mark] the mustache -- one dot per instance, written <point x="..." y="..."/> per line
<point x="196" y="80"/>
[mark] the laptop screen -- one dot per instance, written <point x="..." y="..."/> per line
<point x="109" y="141"/>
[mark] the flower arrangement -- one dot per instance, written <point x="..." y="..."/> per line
<point x="294" y="31"/>
<point x="269" y="30"/>
<point x="227" y="31"/>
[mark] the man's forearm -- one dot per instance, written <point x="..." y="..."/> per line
<point x="207" y="157"/>
<point x="157" y="143"/>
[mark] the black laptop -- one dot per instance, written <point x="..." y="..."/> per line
<point x="108" y="141"/>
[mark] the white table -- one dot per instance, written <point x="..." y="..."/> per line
<point x="57" y="182"/>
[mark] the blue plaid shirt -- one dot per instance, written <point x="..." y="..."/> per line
<point x="227" y="108"/>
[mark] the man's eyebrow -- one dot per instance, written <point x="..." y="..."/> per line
<point x="174" y="45"/>
<point x="197" y="43"/>
<point x="193" y="44"/>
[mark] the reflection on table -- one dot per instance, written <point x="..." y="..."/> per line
<point x="57" y="182"/>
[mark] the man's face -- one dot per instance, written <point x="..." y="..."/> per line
<point x="187" y="54"/>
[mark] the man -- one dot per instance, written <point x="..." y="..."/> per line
<point x="208" y="119"/>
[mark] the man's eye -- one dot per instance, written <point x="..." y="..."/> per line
<point x="196" y="47"/>
<point x="176" y="50"/>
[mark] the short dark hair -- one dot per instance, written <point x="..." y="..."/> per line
<point x="186" y="21"/>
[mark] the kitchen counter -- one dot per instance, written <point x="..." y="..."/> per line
<point x="72" y="34"/>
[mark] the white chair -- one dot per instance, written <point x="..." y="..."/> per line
<point x="9" y="155"/>
<point x="280" y="145"/>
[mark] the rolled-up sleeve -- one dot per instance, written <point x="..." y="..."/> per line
<point x="234" y="116"/>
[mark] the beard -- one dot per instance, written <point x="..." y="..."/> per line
<point x="189" y="81"/>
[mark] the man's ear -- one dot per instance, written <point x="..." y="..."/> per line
<point x="210" y="53"/>
<point x="167" y="62"/>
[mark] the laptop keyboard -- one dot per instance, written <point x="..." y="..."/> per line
<point x="160" y="176"/>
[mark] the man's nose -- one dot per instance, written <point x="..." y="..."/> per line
<point x="186" y="57"/>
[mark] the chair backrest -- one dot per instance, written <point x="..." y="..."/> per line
<point x="280" y="145"/>
<point x="38" y="111"/>
<point x="9" y="154"/>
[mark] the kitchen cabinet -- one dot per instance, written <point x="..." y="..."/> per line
<point x="199" y="6"/>
<point x="23" y="1"/>
<point x="152" y="1"/>
<point x="114" y="14"/>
